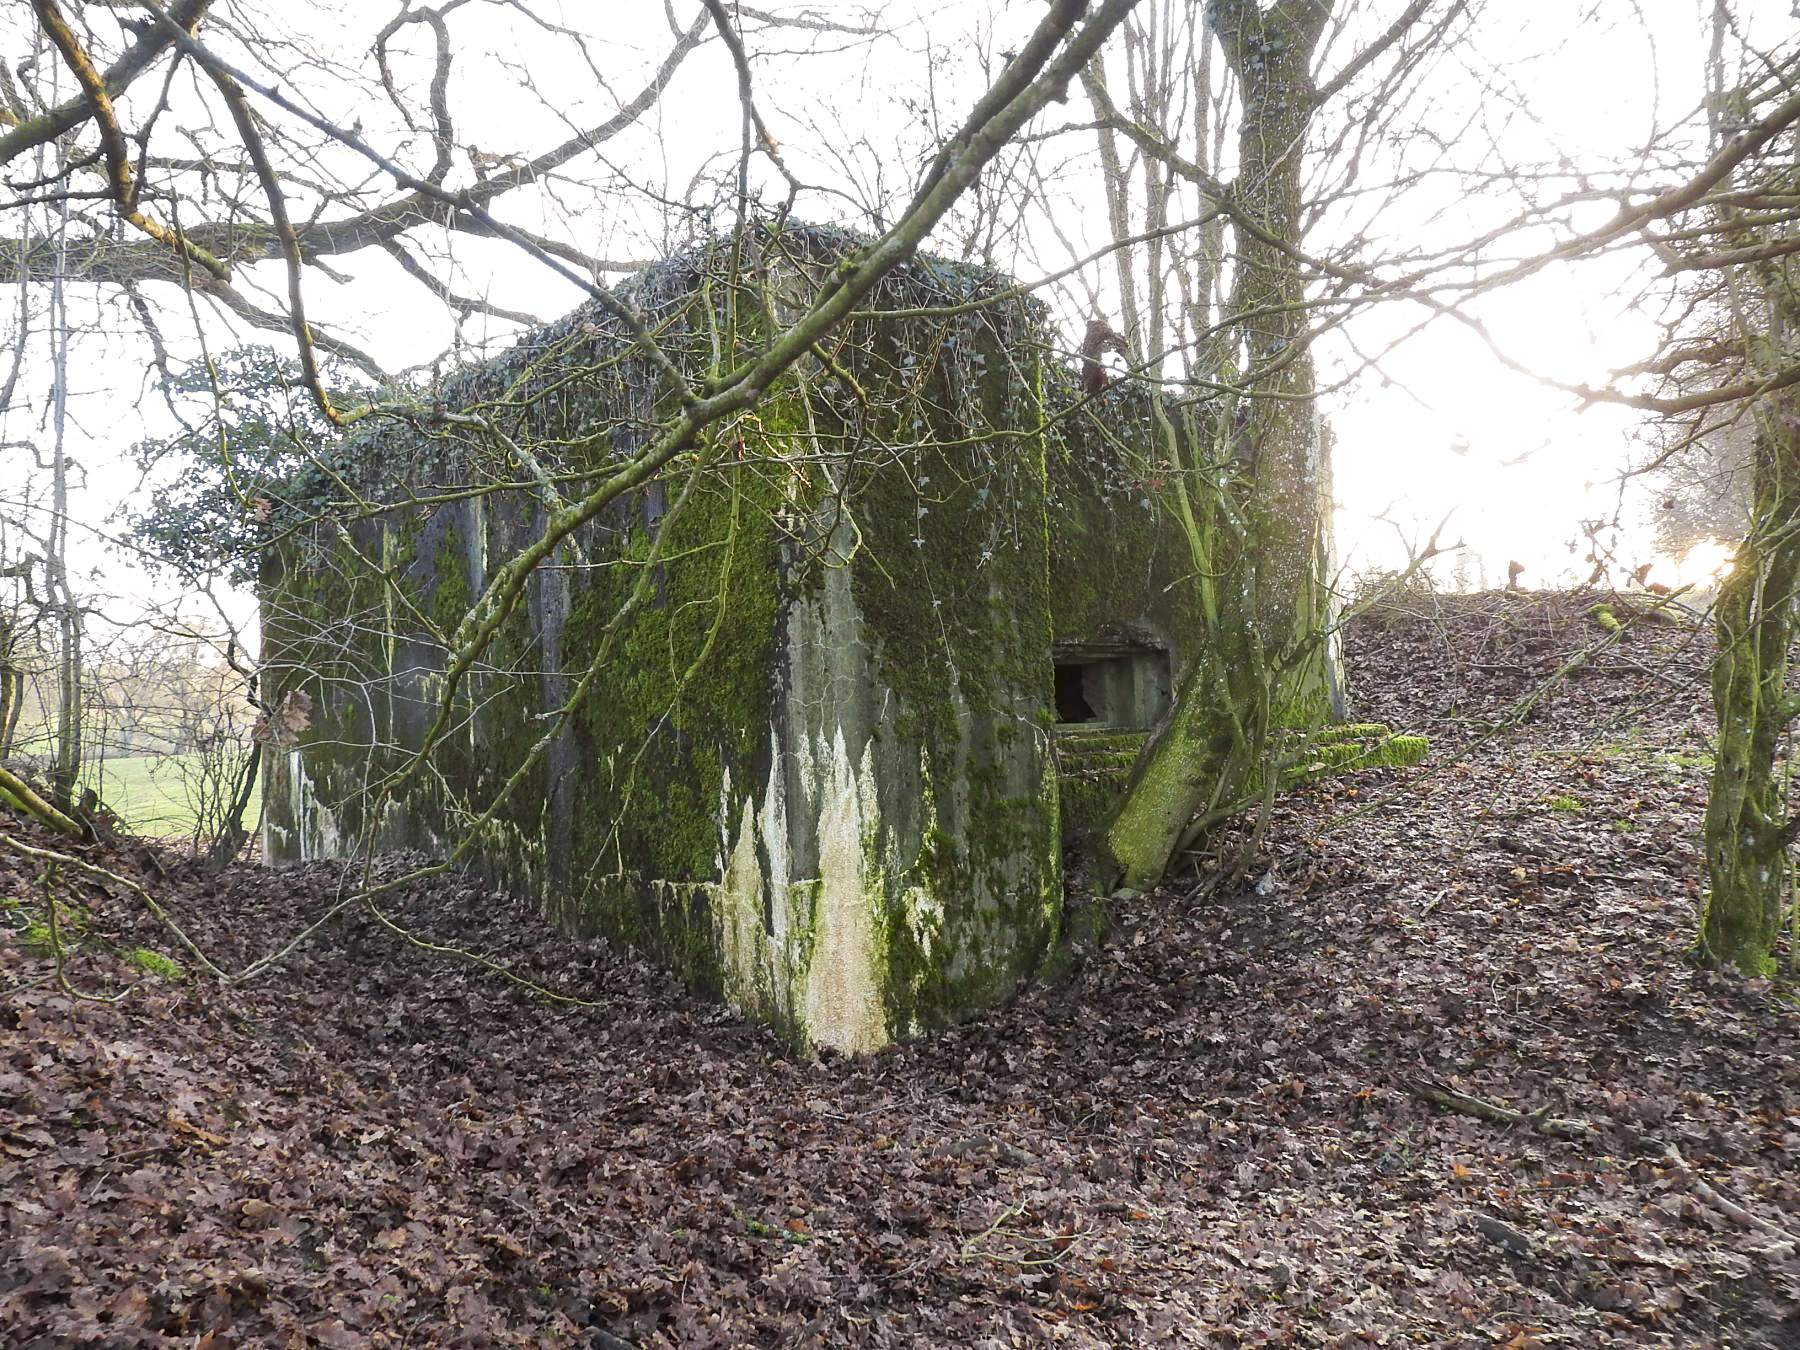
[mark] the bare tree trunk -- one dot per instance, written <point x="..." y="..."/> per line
<point x="66" y="767"/>
<point x="233" y="832"/>
<point x="1251" y="493"/>
<point x="1117" y="186"/>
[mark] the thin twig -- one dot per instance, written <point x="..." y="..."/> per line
<point x="1730" y="1208"/>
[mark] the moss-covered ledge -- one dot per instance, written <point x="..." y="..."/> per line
<point x="1351" y="747"/>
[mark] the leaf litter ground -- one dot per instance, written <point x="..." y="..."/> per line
<point x="1207" y="1136"/>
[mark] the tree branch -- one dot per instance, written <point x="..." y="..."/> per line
<point x="290" y="247"/>
<point x="1395" y="31"/>
<point x="993" y="122"/>
<point x="238" y="242"/>
<point x="121" y="182"/>
<point x="43" y="129"/>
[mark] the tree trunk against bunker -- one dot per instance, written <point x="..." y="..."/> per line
<point x="1747" y="834"/>
<point x="1250" y="486"/>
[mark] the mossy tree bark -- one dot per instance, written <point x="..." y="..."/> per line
<point x="1746" y="855"/>
<point x="1748" y="823"/>
<point x="1747" y="833"/>
<point x="1250" y="489"/>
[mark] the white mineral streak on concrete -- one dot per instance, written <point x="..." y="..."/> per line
<point x="774" y="827"/>
<point x="740" y="921"/>
<point x="841" y="1006"/>
<point x="834" y="995"/>
<point x="804" y="947"/>
<point x="315" y="826"/>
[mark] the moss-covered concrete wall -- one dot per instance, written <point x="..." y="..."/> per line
<point x="1121" y="614"/>
<point x="811" y="765"/>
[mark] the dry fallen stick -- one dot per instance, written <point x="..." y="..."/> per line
<point x="1786" y="1242"/>
<point x="1450" y="1099"/>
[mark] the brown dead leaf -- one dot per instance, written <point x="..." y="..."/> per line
<point x="282" y="724"/>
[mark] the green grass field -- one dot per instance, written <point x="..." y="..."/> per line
<point x="153" y="794"/>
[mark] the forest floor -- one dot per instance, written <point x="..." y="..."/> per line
<point x="1211" y="1135"/>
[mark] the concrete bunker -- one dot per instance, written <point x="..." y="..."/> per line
<point x="788" y="716"/>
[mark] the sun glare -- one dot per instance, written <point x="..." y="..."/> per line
<point x="1704" y="565"/>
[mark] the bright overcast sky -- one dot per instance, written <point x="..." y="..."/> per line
<point x="1441" y="426"/>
